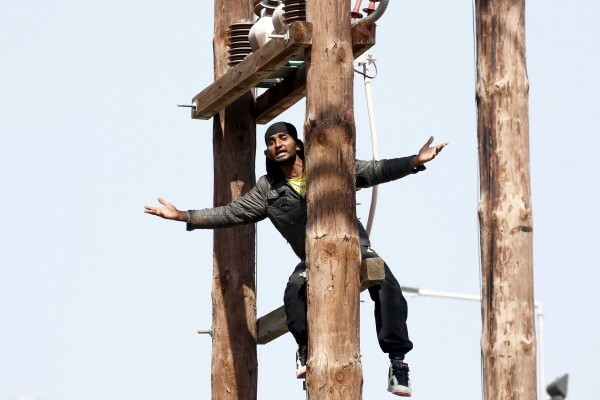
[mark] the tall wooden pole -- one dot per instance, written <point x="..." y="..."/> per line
<point x="334" y="368"/>
<point x="234" y="361"/>
<point x="508" y="338"/>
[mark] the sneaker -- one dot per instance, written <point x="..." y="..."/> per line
<point x="301" y="357"/>
<point x="398" y="381"/>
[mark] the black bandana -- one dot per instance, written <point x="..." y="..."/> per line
<point x="281" y="127"/>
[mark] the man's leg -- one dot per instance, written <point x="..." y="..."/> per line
<point x="391" y="311"/>
<point x="294" y="302"/>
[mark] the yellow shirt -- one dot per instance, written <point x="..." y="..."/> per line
<point x="299" y="184"/>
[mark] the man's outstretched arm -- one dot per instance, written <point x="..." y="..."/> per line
<point x="375" y="172"/>
<point x="168" y="211"/>
<point x="247" y="209"/>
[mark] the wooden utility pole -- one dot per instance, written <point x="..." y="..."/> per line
<point x="508" y="338"/>
<point x="332" y="245"/>
<point x="234" y="362"/>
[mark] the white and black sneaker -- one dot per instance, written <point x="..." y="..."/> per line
<point x="398" y="381"/>
<point x="301" y="357"/>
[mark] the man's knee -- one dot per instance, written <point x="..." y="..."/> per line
<point x="297" y="281"/>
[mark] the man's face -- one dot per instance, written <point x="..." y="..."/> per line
<point x="281" y="147"/>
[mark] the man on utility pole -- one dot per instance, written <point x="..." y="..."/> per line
<point x="281" y="196"/>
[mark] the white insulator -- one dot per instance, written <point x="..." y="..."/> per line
<point x="261" y="30"/>
<point x="279" y="24"/>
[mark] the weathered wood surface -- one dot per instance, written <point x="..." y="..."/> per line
<point x="250" y="72"/>
<point x="262" y="64"/>
<point x="272" y="325"/>
<point x="334" y="369"/>
<point x="363" y="37"/>
<point x="292" y="89"/>
<point x="234" y="360"/>
<point x="282" y="96"/>
<point x="372" y="271"/>
<point x="508" y="325"/>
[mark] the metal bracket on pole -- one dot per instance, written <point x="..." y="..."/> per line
<point x="206" y="332"/>
<point x="193" y="105"/>
<point x="285" y="36"/>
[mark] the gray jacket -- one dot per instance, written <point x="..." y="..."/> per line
<point x="286" y="209"/>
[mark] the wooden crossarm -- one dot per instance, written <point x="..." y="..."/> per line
<point x="363" y="37"/>
<point x="263" y="63"/>
<point x="292" y="89"/>
<point x="272" y="325"/>
<point x="252" y="70"/>
<point x="282" y="96"/>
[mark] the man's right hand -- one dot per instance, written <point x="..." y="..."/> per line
<point x="168" y="211"/>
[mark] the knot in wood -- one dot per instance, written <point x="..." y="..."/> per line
<point x="322" y="139"/>
<point x="330" y="248"/>
<point x="501" y="86"/>
<point x="504" y="227"/>
<point x="341" y="52"/>
<point x="226" y="276"/>
<point x="527" y="344"/>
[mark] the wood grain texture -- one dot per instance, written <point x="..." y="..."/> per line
<point x="506" y="225"/>
<point x="234" y="359"/>
<point x="334" y="368"/>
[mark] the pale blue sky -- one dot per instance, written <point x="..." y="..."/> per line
<point x="99" y="301"/>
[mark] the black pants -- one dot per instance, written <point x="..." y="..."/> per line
<point x="390" y="309"/>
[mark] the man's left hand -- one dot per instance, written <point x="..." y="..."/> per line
<point x="427" y="152"/>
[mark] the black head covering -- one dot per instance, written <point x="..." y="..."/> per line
<point x="281" y="127"/>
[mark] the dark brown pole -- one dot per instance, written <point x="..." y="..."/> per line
<point x="334" y="367"/>
<point x="508" y="338"/>
<point x="234" y="362"/>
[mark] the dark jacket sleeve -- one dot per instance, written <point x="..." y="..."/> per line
<point x="375" y="172"/>
<point x="248" y="209"/>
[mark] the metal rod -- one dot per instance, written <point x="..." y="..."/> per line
<point x="285" y="36"/>
<point x="206" y="332"/>
<point x="446" y="295"/>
